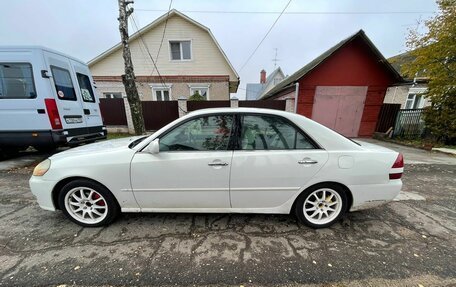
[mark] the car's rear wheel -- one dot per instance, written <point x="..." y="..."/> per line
<point x="88" y="203"/>
<point x="322" y="205"/>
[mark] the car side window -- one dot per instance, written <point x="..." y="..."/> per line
<point x="205" y="133"/>
<point x="63" y="84"/>
<point x="86" y="88"/>
<point x="261" y="132"/>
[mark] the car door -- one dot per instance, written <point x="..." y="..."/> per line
<point x="273" y="161"/>
<point x="63" y="83"/>
<point x="86" y="91"/>
<point x="191" y="170"/>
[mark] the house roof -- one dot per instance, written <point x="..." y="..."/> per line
<point x="292" y="79"/>
<point x="255" y="90"/>
<point x="154" y="24"/>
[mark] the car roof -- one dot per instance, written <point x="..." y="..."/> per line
<point x="239" y="110"/>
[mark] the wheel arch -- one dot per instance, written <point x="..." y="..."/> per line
<point x="58" y="187"/>
<point x="347" y="191"/>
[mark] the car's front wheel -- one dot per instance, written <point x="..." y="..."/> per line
<point x="88" y="203"/>
<point x="321" y="205"/>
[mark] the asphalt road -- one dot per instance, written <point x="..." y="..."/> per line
<point x="404" y="243"/>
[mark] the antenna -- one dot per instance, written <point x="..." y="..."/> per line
<point x="275" y="60"/>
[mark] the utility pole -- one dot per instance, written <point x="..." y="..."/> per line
<point x="275" y="60"/>
<point x="128" y="78"/>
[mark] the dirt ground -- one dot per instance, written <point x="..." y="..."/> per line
<point x="410" y="242"/>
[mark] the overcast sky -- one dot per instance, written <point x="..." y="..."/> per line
<point x="85" y="28"/>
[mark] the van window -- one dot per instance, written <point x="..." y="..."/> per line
<point x="86" y="88"/>
<point x="16" y="81"/>
<point x="63" y="84"/>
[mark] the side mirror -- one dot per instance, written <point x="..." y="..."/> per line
<point x="153" y="147"/>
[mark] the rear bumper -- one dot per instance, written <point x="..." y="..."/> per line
<point x="372" y="195"/>
<point x="51" y="137"/>
<point x="42" y="190"/>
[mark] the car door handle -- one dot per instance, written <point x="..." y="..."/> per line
<point x="307" y="161"/>
<point x="217" y="164"/>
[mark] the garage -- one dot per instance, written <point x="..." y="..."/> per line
<point x="343" y="88"/>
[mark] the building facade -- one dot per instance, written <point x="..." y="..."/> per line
<point x="343" y="88"/>
<point x="186" y="54"/>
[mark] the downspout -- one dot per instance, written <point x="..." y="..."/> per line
<point x="296" y="98"/>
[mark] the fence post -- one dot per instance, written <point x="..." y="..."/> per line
<point x="289" y="105"/>
<point x="182" y="106"/>
<point x="234" y="102"/>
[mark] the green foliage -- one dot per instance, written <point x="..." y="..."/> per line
<point x="196" y="97"/>
<point x="435" y="53"/>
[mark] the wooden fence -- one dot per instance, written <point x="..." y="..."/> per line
<point x="387" y="117"/>
<point x="275" y="105"/>
<point x="157" y="114"/>
<point x="198" y="105"/>
<point x="113" y="112"/>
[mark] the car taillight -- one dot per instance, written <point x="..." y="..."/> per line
<point x="53" y="113"/>
<point x="398" y="164"/>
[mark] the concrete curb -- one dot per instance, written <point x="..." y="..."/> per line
<point x="445" y="150"/>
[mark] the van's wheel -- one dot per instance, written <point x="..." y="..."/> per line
<point x="88" y="203"/>
<point x="321" y="205"/>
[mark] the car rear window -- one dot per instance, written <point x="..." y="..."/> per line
<point x="16" y="81"/>
<point x="86" y="88"/>
<point x="63" y="84"/>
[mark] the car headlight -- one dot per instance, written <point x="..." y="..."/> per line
<point x="42" y="168"/>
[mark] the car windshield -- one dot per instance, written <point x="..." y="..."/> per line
<point x="136" y="142"/>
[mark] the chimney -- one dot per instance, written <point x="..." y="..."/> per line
<point x="263" y="77"/>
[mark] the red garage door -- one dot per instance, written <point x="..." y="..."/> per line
<point x="339" y="108"/>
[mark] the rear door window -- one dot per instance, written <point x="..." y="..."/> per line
<point x="16" y="81"/>
<point x="86" y="88"/>
<point x="63" y="84"/>
<point x="262" y="132"/>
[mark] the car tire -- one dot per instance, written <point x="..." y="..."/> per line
<point x="45" y="148"/>
<point x="88" y="203"/>
<point x="321" y="205"/>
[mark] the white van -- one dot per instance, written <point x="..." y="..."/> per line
<point x="47" y="99"/>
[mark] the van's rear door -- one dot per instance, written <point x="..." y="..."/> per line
<point x="64" y="91"/>
<point x="86" y="91"/>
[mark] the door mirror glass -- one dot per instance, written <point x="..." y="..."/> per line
<point x="153" y="147"/>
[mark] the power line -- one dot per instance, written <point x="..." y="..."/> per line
<point x="259" y="44"/>
<point x="147" y="49"/>
<point x="295" y="12"/>
<point x="164" y="30"/>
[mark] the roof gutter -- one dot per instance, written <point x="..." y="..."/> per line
<point x="296" y="98"/>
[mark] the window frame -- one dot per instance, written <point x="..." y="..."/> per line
<point x="157" y="89"/>
<point x="105" y="94"/>
<point x="199" y="89"/>
<point x="33" y="81"/>
<point x="235" y="136"/>
<point x="180" y="50"/>
<point x="315" y="145"/>
<point x="91" y="91"/>
<point x="55" y="86"/>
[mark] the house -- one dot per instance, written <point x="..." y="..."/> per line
<point x="410" y="94"/>
<point x="255" y="91"/>
<point x="343" y="88"/>
<point x="187" y="55"/>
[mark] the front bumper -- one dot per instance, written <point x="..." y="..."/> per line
<point x="372" y="195"/>
<point x="42" y="190"/>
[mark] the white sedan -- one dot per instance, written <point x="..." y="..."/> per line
<point x="228" y="160"/>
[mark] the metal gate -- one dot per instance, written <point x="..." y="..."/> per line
<point x="113" y="112"/>
<point x="387" y="117"/>
<point x="409" y="123"/>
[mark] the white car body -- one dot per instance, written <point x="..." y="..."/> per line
<point x="267" y="181"/>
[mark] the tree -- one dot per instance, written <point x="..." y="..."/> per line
<point x="435" y="53"/>
<point x="128" y="78"/>
<point x="196" y="97"/>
